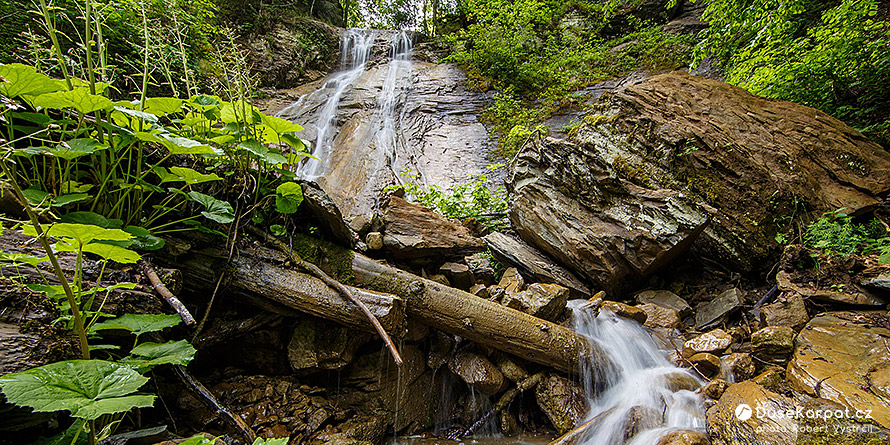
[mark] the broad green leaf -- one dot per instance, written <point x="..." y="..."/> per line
<point x="76" y="148"/>
<point x="214" y="209"/>
<point x="263" y="153"/>
<point x="203" y="101"/>
<point x="24" y="79"/>
<point x="288" y="197"/>
<point x="160" y="106"/>
<point x="81" y="233"/>
<point x="40" y="119"/>
<point x="22" y="258"/>
<point x="184" y="174"/>
<point x="264" y="441"/>
<point x="280" y="125"/>
<point x="112" y="252"/>
<point x="239" y="111"/>
<point x="277" y="229"/>
<point x="91" y="218"/>
<point x="223" y="139"/>
<point x="148" y="117"/>
<point x="75" y="187"/>
<point x="53" y="291"/>
<point x="74" y="435"/>
<point x="148" y="355"/>
<point x="143" y="239"/>
<point x="78" y="98"/>
<point x="86" y="388"/>
<point x="296" y="143"/>
<point x="139" y="324"/>
<point x="64" y="200"/>
<point x="199" y="439"/>
<point x="148" y="136"/>
<point x="185" y="146"/>
<point x="36" y="195"/>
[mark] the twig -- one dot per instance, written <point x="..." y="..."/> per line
<point x="503" y="402"/>
<point x="339" y="287"/>
<point x="766" y="298"/>
<point x="575" y="434"/>
<point x="167" y="295"/>
<point x="213" y="403"/>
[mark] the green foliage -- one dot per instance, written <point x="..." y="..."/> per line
<point x="829" y="54"/>
<point x="474" y="199"/>
<point x="139" y="324"/>
<point x="147" y="355"/>
<point x="837" y="233"/>
<point x="86" y="388"/>
<point x="288" y="197"/>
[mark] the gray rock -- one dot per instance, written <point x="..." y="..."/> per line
<point x="360" y="224"/>
<point x="665" y="298"/>
<point x="374" y="240"/>
<point x="547" y="301"/>
<point x="534" y="264"/>
<point x="326" y="211"/>
<point x="715" y="311"/>
<point x="318" y="345"/>
<point x="477" y="371"/>
<point x="880" y="282"/>
<point x="788" y="311"/>
<point x="481" y="267"/>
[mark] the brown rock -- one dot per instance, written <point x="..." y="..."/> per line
<point x="665" y="298"/>
<point x="478" y="371"/>
<point x="717" y="310"/>
<point x="680" y="381"/>
<point x="684" y="437"/>
<point x="713" y="342"/>
<point x="547" y="301"/>
<point x="479" y="290"/>
<point x="614" y="203"/>
<point x="787" y="311"/>
<point x="852" y="295"/>
<point x="625" y="310"/>
<point x="640" y="418"/>
<point x="374" y="240"/>
<point x="439" y="278"/>
<point x="562" y="400"/>
<point x="707" y="364"/>
<point x="413" y="231"/>
<point x="773" y="344"/>
<point x="322" y="345"/>
<point x="843" y="357"/>
<point x="740" y="365"/>
<point x="771" y="379"/>
<point x="458" y="274"/>
<point x="715" y="388"/>
<point x="725" y="427"/>
<point x="660" y="317"/>
<point x="511" y="281"/>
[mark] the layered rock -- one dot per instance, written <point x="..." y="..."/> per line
<point x="413" y="231"/>
<point x="677" y="161"/>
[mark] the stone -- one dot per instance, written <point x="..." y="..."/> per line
<point x="439" y="278"/>
<point x="660" y="317"/>
<point x="680" y="380"/>
<point x="318" y="345"/>
<point x="511" y="281"/>
<point x="516" y="253"/>
<point x="788" y="310"/>
<point x="717" y="310"/>
<point x="715" y="388"/>
<point x="562" y="400"/>
<point x="707" y="364"/>
<point x="739" y="365"/>
<point x="441" y="347"/>
<point x="850" y="295"/>
<point x="684" y="437"/>
<point x="615" y="204"/>
<point x="458" y="274"/>
<point x="881" y="282"/>
<point x="296" y="50"/>
<point x="326" y="211"/>
<point x="477" y="371"/>
<point x="725" y="427"/>
<point x="771" y="379"/>
<point x="480" y="266"/>
<point x="843" y="357"/>
<point x="360" y="224"/>
<point x="413" y="231"/>
<point x="374" y="240"/>
<point x="480" y="291"/>
<point x="666" y="299"/>
<point x="625" y="310"/>
<point x="640" y="418"/>
<point x="508" y="424"/>
<point x="512" y="370"/>
<point x="547" y="301"/>
<point x="713" y="342"/>
<point x="773" y="344"/>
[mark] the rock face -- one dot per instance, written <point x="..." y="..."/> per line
<point x="321" y="345"/>
<point x="547" y="301"/>
<point x="534" y="264"/>
<point x="296" y="50"/>
<point x="717" y="310"/>
<point x="727" y="428"/>
<point x="677" y="161"/>
<point x="478" y="371"/>
<point x="843" y="357"/>
<point x="562" y="400"/>
<point x="413" y="231"/>
<point x="714" y="342"/>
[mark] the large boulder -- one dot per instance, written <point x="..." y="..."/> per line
<point x="844" y="357"/>
<point x="679" y="160"/>
<point x="413" y="231"/>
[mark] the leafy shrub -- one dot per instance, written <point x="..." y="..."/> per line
<point x="837" y="233"/>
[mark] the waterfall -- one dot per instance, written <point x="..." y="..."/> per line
<point x="355" y="48"/>
<point x="387" y="138"/>
<point x="640" y="396"/>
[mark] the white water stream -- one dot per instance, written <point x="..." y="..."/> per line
<point x="639" y="398"/>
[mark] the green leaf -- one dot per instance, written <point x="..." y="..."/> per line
<point x="75" y="187"/>
<point x="91" y="218"/>
<point x="185" y="146"/>
<point x="76" y="148"/>
<point x="68" y="436"/>
<point x="288" y="197"/>
<point x="21" y="258"/>
<point x="112" y="252"/>
<point x="143" y="239"/>
<point x="263" y="153"/>
<point x="216" y="210"/>
<point x="280" y="125"/>
<point x="78" y="98"/>
<point x="148" y="355"/>
<point x="296" y="143"/>
<point x="184" y="174"/>
<point x="64" y="200"/>
<point x="24" y="79"/>
<point x="160" y="106"/>
<point x="36" y="196"/>
<point x="81" y="233"/>
<point x="199" y="439"/>
<point x="148" y="117"/>
<point x="277" y="229"/>
<point x="53" y="292"/>
<point x="139" y="324"/>
<point x="86" y="388"/>
<point x="263" y="441"/>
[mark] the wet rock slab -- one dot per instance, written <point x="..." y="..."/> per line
<point x="413" y="231"/>
<point x="534" y="264"/>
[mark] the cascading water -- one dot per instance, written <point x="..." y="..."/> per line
<point x="355" y="48"/>
<point x="387" y="137"/>
<point x="644" y="396"/>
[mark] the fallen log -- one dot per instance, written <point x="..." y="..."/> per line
<point x="257" y="272"/>
<point x="480" y="320"/>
